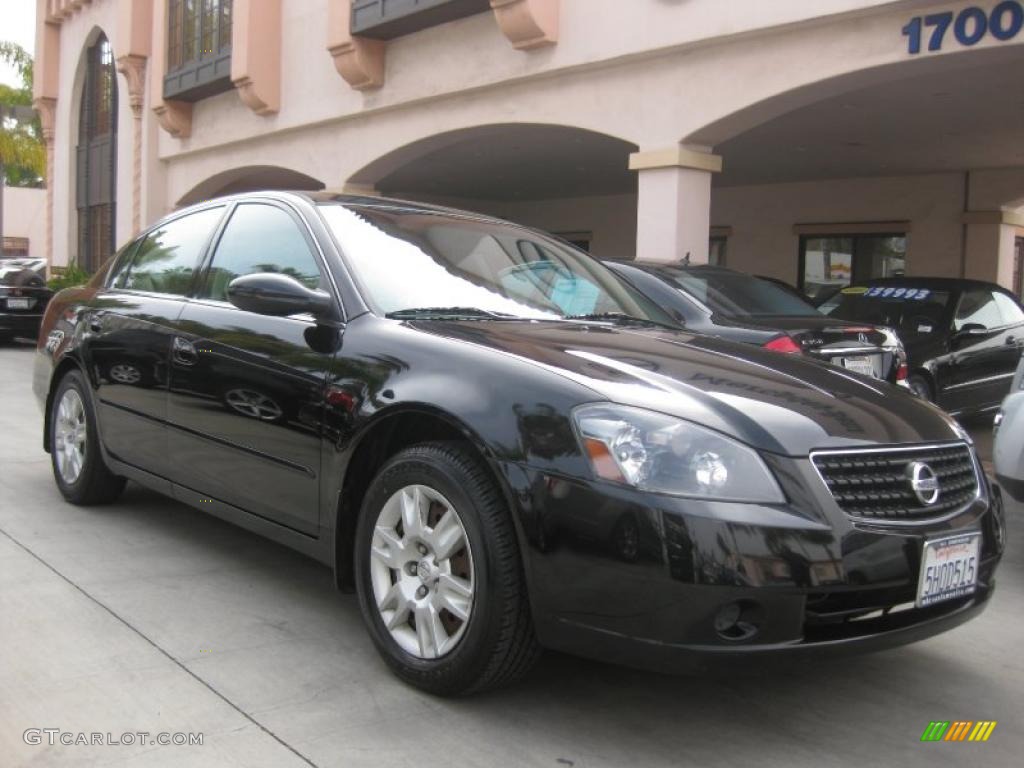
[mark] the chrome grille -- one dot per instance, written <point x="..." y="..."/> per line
<point x="874" y="484"/>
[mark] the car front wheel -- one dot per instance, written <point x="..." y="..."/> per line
<point x="78" y="467"/>
<point x="439" y="574"/>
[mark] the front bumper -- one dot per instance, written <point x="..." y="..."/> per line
<point x="653" y="581"/>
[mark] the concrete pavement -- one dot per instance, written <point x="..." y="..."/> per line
<point x="150" y="616"/>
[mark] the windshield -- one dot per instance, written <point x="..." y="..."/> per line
<point x="911" y="310"/>
<point x="736" y="295"/>
<point x="407" y="260"/>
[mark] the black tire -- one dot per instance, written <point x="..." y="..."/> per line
<point x="498" y="645"/>
<point x="95" y="484"/>
<point x="921" y="387"/>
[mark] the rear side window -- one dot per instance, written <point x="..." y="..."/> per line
<point x="1009" y="309"/>
<point x="167" y="257"/>
<point x="259" y="238"/>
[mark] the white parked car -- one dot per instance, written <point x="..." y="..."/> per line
<point x="1009" y="439"/>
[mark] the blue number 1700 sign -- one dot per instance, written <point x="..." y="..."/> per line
<point x="969" y="26"/>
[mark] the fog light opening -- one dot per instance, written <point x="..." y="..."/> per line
<point x="739" y="620"/>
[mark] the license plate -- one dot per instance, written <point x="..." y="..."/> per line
<point x="18" y="303"/>
<point x="949" y="569"/>
<point x="862" y="365"/>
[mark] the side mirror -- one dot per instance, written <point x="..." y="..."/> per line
<point x="972" y="329"/>
<point x="267" y="293"/>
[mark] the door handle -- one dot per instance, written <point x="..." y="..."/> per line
<point x="183" y="352"/>
<point x="1012" y="341"/>
<point x="95" y="325"/>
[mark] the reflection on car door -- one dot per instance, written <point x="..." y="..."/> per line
<point x="245" y="399"/>
<point x="980" y="365"/>
<point x="128" y="335"/>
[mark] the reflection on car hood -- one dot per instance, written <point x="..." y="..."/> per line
<point x="783" y="403"/>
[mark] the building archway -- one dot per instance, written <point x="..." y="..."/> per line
<point x="573" y="182"/>
<point x="96" y="156"/>
<point x="250" y="178"/>
<point x="903" y="168"/>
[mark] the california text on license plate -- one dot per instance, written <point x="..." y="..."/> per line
<point x="17" y="303"/>
<point x="949" y="569"/>
<point x="862" y="365"/>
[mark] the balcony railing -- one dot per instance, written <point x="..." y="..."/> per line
<point x="388" y="19"/>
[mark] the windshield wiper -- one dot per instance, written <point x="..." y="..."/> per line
<point x="620" y="317"/>
<point x="448" y="313"/>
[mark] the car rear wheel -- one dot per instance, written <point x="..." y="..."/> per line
<point x="921" y="387"/>
<point x="439" y="575"/>
<point x="78" y="467"/>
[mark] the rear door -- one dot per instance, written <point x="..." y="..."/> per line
<point x="246" y="390"/>
<point x="127" y="335"/>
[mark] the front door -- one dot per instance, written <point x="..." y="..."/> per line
<point x="982" y="353"/>
<point x="246" y="391"/>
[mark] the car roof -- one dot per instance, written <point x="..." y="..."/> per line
<point x="673" y="266"/>
<point x="937" y="283"/>
<point x="347" y="200"/>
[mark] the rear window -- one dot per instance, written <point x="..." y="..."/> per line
<point x="734" y="294"/>
<point x="911" y="310"/>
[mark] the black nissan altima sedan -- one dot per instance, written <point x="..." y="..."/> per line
<point x="754" y="310"/>
<point x="501" y="447"/>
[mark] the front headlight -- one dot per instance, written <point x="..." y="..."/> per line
<point x="662" y="454"/>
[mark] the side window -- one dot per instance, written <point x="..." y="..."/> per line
<point x="977" y="307"/>
<point x="166" y="258"/>
<point x="259" y="238"/>
<point x="1009" y="309"/>
<point x="121" y="264"/>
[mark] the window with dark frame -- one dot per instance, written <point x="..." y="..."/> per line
<point x="96" y="157"/>
<point x="198" y="49"/>
<point x="829" y="263"/>
<point x="716" y="250"/>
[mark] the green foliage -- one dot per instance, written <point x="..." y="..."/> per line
<point x="22" y="152"/>
<point x="71" y="276"/>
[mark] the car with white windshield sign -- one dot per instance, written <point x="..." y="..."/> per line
<point x="963" y="338"/>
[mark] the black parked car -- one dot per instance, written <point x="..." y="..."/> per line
<point x="754" y="310"/>
<point x="500" y="446"/>
<point x="23" y="298"/>
<point x="963" y="337"/>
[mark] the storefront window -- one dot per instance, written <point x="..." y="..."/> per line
<point x="828" y="263"/>
<point x="716" y="251"/>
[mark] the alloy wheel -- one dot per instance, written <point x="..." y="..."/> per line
<point x="421" y="571"/>
<point x="70" y="436"/>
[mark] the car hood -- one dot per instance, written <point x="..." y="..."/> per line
<point x="787" y="404"/>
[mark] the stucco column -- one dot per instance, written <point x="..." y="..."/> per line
<point x="47" y="108"/>
<point x="674" y="204"/>
<point x="989" y="245"/>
